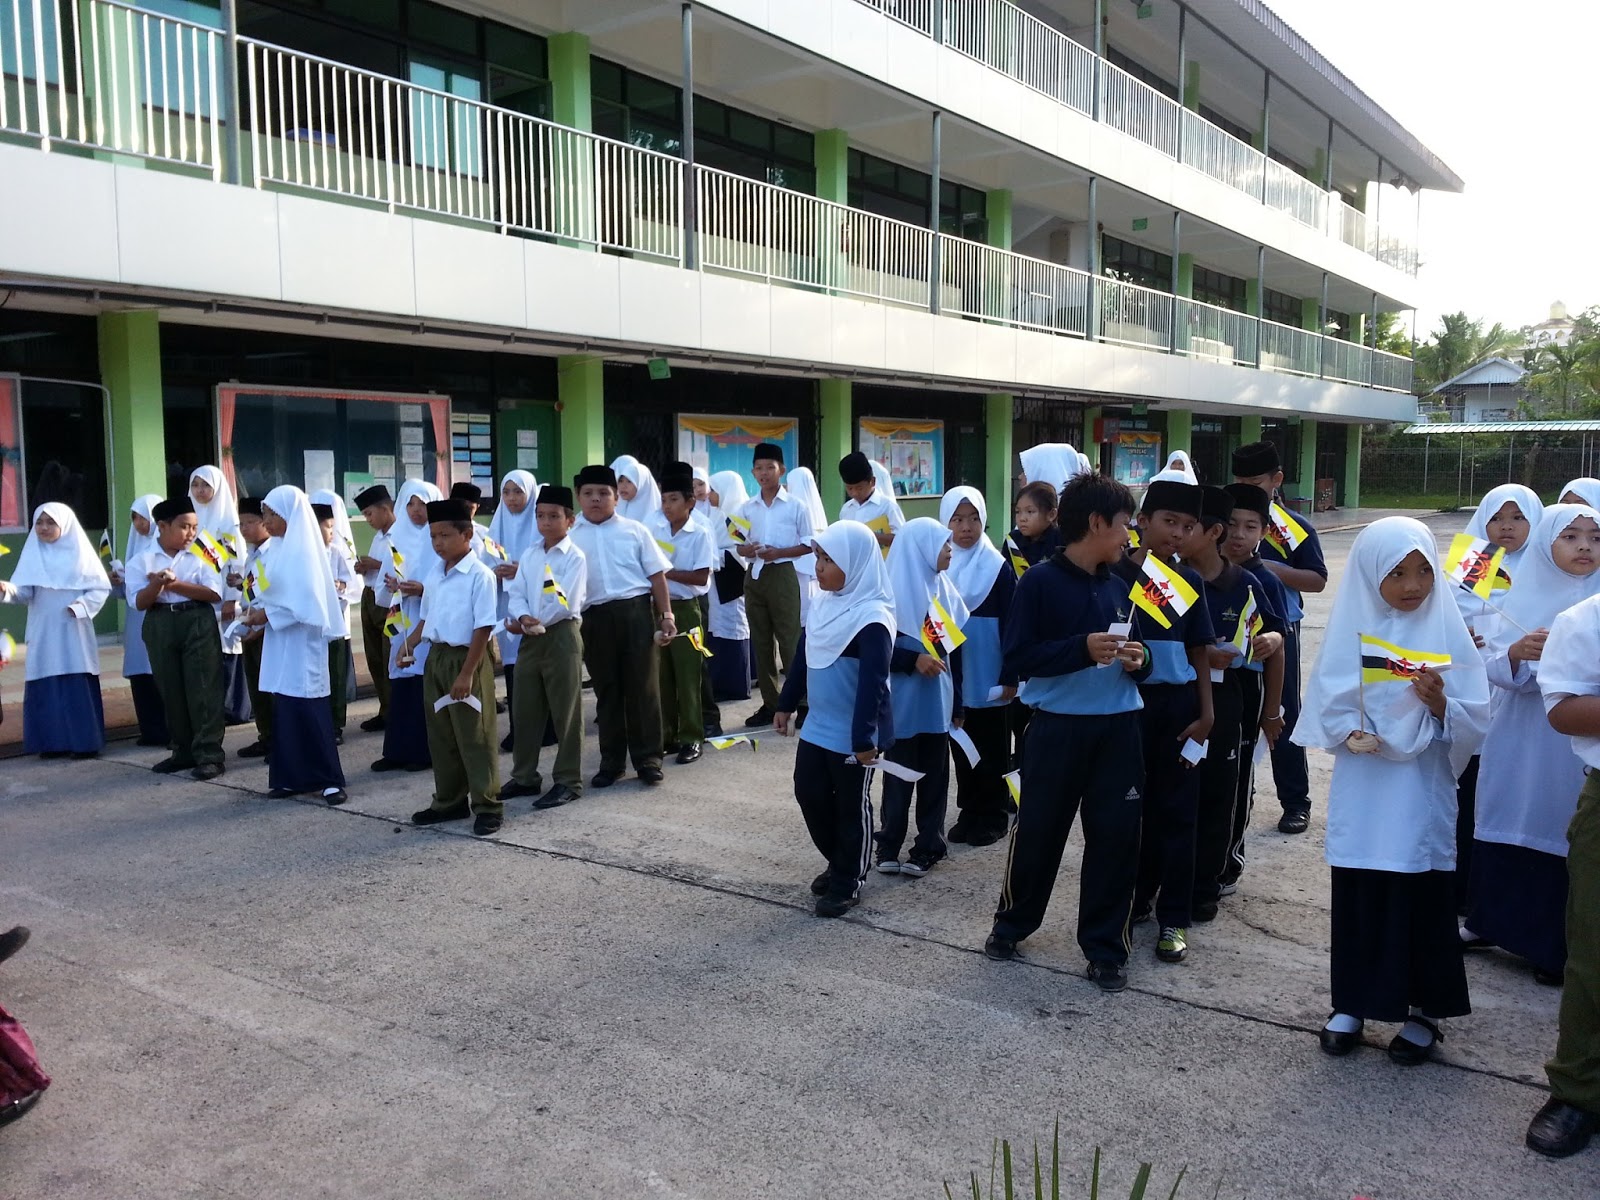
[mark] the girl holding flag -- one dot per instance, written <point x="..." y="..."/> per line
<point x="218" y="514"/>
<point x="411" y="561"/>
<point x="61" y="580"/>
<point x="729" y="664"/>
<point x="136" y="669"/>
<point x="638" y="497"/>
<point x="925" y="670"/>
<point x="1400" y="728"/>
<point x="512" y="529"/>
<point x="1529" y="784"/>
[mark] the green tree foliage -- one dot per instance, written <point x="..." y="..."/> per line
<point x="1458" y="343"/>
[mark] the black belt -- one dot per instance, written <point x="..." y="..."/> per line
<point x="645" y="597"/>
<point x="181" y="606"/>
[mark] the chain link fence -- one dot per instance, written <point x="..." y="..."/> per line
<point x="1453" y="471"/>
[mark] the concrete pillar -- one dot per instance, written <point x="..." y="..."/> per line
<point x="570" y="96"/>
<point x="1180" y="430"/>
<point x="836" y="437"/>
<point x="1252" y="297"/>
<point x="580" y="391"/>
<point x="1306" y="476"/>
<point x="130" y="368"/>
<point x="831" y="154"/>
<point x="998" y="412"/>
<point x="1249" y="430"/>
<point x="997" y="208"/>
<point x="1352" y="466"/>
<point x="1186" y="275"/>
<point x="1191" y="86"/>
<point x="1311" y="314"/>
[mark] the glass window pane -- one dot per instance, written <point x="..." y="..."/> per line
<point x="794" y="144"/>
<point x="385" y="14"/>
<point x="749" y="131"/>
<point x="64" y="444"/>
<point x="443" y="27"/>
<point x="514" y="48"/>
<point x="605" y="80"/>
<point x="646" y="95"/>
<point x="710" y="117"/>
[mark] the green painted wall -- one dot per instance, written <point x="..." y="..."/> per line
<point x="580" y="384"/>
<point x="1252" y="297"/>
<point x="1305" y="482"/>
<point x="997" y="471"/>
<point x="836" y="437"/>
<point x="1191" y="86"/>
<point x="1311" y="314"/>
<point x="130" y="369"/>
<point x="1249" y="430"/>
<point x="1186" y="275"/>
<point x="831" y="154"/>
<point x="541" y="419"/>
<point x="1352" y="466"/>
<point x="997" y="209"/>
<point x="1180" y="430"/>
<point x="571" y="101"/>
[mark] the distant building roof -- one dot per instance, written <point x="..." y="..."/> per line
<point x="1432" y="427"/>
<point x="1496" y="371"/>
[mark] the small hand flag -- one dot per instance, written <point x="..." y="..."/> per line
<point x="1014" y="785"/>
<point x="1014" y="556"/>
<point x="1283" y="531"/>
<point x="553" y="589"/>
<point x="4" y="550"/>
<point x="939" y="632"/>
<point x="1133" y="538"/>
<point x="399" y="561"/>
<point x="495" y="549"/>
<point x="1161" y="592"/>
<point x="667" y="548"/>
<point x="1476" y="565"/>
<point x="698" y="641"/>
<point x="8" y="647"/>
<point x="396" y="622"/>
<point x="1250" y="625"/>
<point x="1384" y="662"/>
<point x="105" y="546"/>
<point x="738" y="529"/>
<point x="208" y="550"/>
<point x="734" y="739"/>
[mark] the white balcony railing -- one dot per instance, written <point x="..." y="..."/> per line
<point x="918" y="14"/>
<point x="1018" y="44"/>
<point x="1140" y="111"/>
<point x="113" y="78"/>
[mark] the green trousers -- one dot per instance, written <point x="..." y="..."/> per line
<point x="1574" y="1072"/>
<point x="260" y="702"/>
<point x="338" y="680"/>
<point x="772" y="605"/>
<point x="682" y="668"/>
<point x="186" y="659"/>
<point x="620" y="651"/>
<point x="376" y="646"/>
<point x="548" y="686"/>
<point x="463" y="743"/>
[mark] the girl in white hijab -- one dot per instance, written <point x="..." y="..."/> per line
<point x="1179" y="462"/>
<point x="1399" y="736"/>
<point x="344" y="542"/>
<point x="302" y="614"/>
<point x="842" y="668"/>
<point x="514" y="526"/>
<point x="412" y="561"/>
<point x="926" y="689"/>
<point x="147" y="707"/>
<point x="1583" y="490"/>
<point x="802" y="485"/>
<point x="885" y="488"/>
<point x="1053" y="463"/>
<point x="702" y="492"/>
<point x="60" y="579"/>
<point x="634" y="477"/>
<point x="217" y="512"/>
<point x="729" y="666"/>
<point x="1529" y="778"/>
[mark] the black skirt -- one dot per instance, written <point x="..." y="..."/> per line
<point x="1518" y="901"/>
<point x="1395" y="945"/>
<point x="304" y="757"/>
<point x="405" y="737"/>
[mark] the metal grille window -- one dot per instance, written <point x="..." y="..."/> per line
<point x="889" y="189"/>
<point x="1225" y="291"/>
<point x="1282" y="307"/>
<point x="1142" y="73"/>
<point x="1135" y="264"/>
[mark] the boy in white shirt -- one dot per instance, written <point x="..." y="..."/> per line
<point x="687" y="544"/>
<point x="865" y="503"/>
<point x="345" y="582"/>
<point x="543" y="602"/>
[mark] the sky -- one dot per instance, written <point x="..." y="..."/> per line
<point x="1503" y="93"/>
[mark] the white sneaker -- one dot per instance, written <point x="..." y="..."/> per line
<point x="912" y="866"/>
<point x="888" y="866"/>
<point x="1227" y="889"/>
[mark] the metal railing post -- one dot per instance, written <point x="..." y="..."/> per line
<point x="230" y="93"/>
<point x="691" y="255"/>
<point x="1091" y="319"/>
<point x="936" y="186"/>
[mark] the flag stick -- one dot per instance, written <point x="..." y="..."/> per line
<point x="1495" y="608"/>
<point x="1361" y="685"/>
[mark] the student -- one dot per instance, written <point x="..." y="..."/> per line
<point x="344" y="683"/>
<point x="457" y="617"/>
<point x="377" y="507"/>
<point x="1530" y="778"/>
<point x="926" y="695"/>
<point x="1583" y="490"/>
<point x="687" y="544"/>
<point x="1051" y="463"/>
<point x="702" y="492"/>
<point x="638" y="497"/>
<point x="218" y="514"/>
<point x="626" y="609"/>
<point x="710" y="711"/>
<point x="1180" y="463"/>
<point x="1569" y="680"/>
<point x="1504" y="518"/>
<point x="300" y="612"/>
<point x="1035" y="536"/>
<point x="1177" y="708"/>
<point x="986" y="583"/>
<point x="1081" y="681"/>
<point x="135" y="658"/>
<point x="1300" y="570"/>
<point x="1399" y="733"/>
<point x="843" y="672"/>
<point x="802" y="485"/>
<point x="345" y="582"/>
<point x="1252" y="509"/>
<point x="175" y="592"/>
<point x="247" y="577"/>
<point x="1232" y="595"/>
<point x="729" y="664"/>
<point x="60" y="578"/>
<point x="866" y="501"/>
<point x="412" y="562"/>
<point x="513" y="528"/>
<point x="780" y="531"/>
<point x="544" y="600"/>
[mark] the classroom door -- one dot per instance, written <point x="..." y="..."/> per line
<point x="528" y="438"/>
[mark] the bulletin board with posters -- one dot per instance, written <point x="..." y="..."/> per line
<point x="11" y="515"/>
<point x="912" y="450"/>
<point x="718" y="443"/>
<point x="1136" y="456"/>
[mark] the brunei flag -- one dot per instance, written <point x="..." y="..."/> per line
<point x="1133" y="538"/>
<point x="552" y="589"/>
<point x="738" y="529"/>
<point x="1014" y="556"/>
<point x="1161" y="592"/>
<point x="209" y="551"/>
<point x="939" y="632"/>
<point x="1384" y="662"/>
<point x="4" y="550"/>
<point x="698" y="641"/>
<point x="396" y="622"/>
<point x="1284" y="532"/>
<point x="399" y="561"/>
<point x="495" y="549"/>
<point x="1476" y="565"/>
<point x="251" y="589"/>
<point x="8" y="647"/>
<point x="1250" y="625"/>
<point x="105" y="546"/>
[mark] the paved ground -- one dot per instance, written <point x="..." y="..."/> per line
<point x="628" y="998"/>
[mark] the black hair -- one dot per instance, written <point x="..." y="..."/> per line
<point x="563" y="507"/>
<point x="1042" y="495"/>
<point x="464" y="528"/>
<point x="1090" y="495"/>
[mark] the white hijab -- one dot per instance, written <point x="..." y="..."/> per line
<point x="915" y="578"/>
<point x="343" y="536"/>
<point x="731" y="497"/>
<point x="1586" y="487"/>
<point x="302" y="591"/>
<point x="413" y="541"/>
<point x="218" y="516"/>
<point x="70" y="563"/>
<point x="972" y="571"/>
<point x="883" y="485"/>
<point x="836" y="617"/>
<point x="802" y="485"/>
<point x="516" y="531"/>
<point x="138" y="543"/>
<point x="703" y="507"/>
<point x="1178" y="461"/>
<point x="1542" y="591"/>
<point x="1331" y="707"/>
<point x="1051" y="462"/>
<point x="1085" y="467"/>
<point x="647" y="501"/>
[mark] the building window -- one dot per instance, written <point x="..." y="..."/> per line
<point x="1282" y="308"/>
<point x="902" y="193"/>
<point x="1224" y="291"/>
<point x="912" y="450"/>
<point x="1135" y="264"/>
<point x="64" y="448"/>
<point x="1142" y="73"/>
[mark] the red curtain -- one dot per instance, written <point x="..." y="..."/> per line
<point x="439" y="410"/>
<point x="227" y="402"/>
<point x="10" y="458"/>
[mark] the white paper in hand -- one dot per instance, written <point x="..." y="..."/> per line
<point x="471" y="702"/>
<point x="1119" y="630"/>
<point x="995" y="693"/>
<point x="894" y="768"/>
<point x="1193" y="752"/>
<point x="968" y="747"/>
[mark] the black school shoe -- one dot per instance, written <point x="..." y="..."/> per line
<point x="1407" y="1053"/>
<point x="1108" y="976"/>
<point x="517" y="788"/>
<point x="13" y="939"/>
<point x="832" y="905"/>
<point x="334" y="797"/>
<point x="557" y="796"/>
<point x="437" y="816"/>
<point x="690" y="753"/>
<point x="208" y="770"/>
<point x="761" y="717"/>
<point x="1336" y="1044"/>
<point x="652" y="776"/>
<point x="1000" y="949"/>
<point x="821" y="884"/>
<point x="1560" y="1129"/>
<point x="374" y="725"/>
<point x="171" y="766"/>
<point x="603" y="778"/>
<point x="485" y="824"/>
<point x="1294" y="820"/>
<point x="256" y="749"/>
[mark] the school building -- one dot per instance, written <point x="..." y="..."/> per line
<point x="333" y="242"/>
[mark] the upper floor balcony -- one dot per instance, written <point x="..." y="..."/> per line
<point x="109" y="79"/>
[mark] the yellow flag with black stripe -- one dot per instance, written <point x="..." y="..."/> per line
<point x="1283" y="531"/>
<point x="698" y="641"/>
<point x="1477" y="566"/>
<point x="1249" y="628"/>
<point x="1014" y="556"/>
<point x="939" y="632"/>
<point x="1161" y="592"/>
<point x="552" y="589"/>
<point x="1384" y="662"/>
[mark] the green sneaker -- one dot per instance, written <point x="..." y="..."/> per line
<point x="1173" y="945"/>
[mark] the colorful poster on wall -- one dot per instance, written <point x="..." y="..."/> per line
<point x="1137" y="456"/>
<point x="912" y="450"/>
<point x="11" y="517"/>
<point x="718" y="443"/>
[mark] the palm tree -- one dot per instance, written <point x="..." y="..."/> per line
<point x="1458" y="343"/>
<point x="1559" y="372"/>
